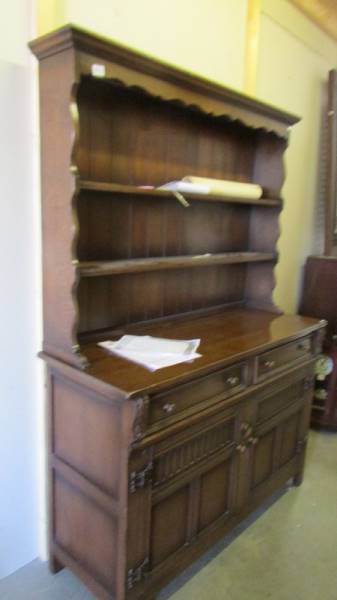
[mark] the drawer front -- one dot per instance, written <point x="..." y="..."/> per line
<point x="275" y="402"/>
<point x="221" y="384"/>
<point x="283" y="356"/>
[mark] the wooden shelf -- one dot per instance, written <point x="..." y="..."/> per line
<point x="137" y="265"/>
<point x="138" y="192"/>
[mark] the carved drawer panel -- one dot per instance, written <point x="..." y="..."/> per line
<point x="223" y="384"/>
<point x="192" y="452"/>
<point x="269" y="362"/>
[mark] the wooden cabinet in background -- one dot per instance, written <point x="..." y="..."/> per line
<point x="148" y="470"/>
<point x="319" y="299"/>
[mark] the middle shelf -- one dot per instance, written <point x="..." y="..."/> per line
<point x="139" y="193"/>
<point x="137" y="265"/>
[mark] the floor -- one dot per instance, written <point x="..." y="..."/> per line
<point x="288" y="553"/>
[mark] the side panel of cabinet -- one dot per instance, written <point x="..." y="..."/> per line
<point x="57" y="78"/>
<point x="88" y="470"/>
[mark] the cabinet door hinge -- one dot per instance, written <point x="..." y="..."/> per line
<point x="137" y="574"/>
<point x="140" y="479"/>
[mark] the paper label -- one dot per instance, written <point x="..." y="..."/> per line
<point x="98" y="70"/>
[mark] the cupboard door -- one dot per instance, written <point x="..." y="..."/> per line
<point x="273" y="437"/>
<point x="191" y="494"/>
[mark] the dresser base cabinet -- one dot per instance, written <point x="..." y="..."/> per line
<point x="136" y="498"/>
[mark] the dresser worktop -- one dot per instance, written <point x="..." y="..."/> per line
<point x="226" y="337"/>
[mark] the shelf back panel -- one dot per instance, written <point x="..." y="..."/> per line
<point x="130" y="137"/>
<point x="113" y="227"/>
<point x="112" y="302"/>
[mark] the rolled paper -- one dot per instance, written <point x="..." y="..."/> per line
<point x="185" y="187"/>
<point x="230" y="189"/>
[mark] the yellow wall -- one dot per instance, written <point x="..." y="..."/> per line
<point x="293" y="58"/>
<point x="204" y="36"/>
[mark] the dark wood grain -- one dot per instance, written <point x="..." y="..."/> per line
<point x="157" y="141"/>
<point x="117" y="227"/>
<point x="141" y="265"/>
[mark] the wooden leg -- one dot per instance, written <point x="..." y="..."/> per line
<point x="298" y="479"/>
<point x="54" y="565"/>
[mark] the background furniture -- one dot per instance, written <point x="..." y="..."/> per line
<point x="147" y="470"/>
<point x="319" y="299"/>
<point x="330" y="238"/>
<point x="319" y="296"/>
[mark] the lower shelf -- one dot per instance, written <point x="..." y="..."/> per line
<point x="136" y="265"/>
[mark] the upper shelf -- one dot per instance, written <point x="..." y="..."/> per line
<point x="99" y="186"/>
<point x="137" y="265"/>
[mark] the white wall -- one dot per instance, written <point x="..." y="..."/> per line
<point x="20" y="372"/>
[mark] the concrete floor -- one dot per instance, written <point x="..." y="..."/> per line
<point x="288" y="553"/>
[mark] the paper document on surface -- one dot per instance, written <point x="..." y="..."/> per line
<point x="147" y="343"/>
<point x="153" y="353"/>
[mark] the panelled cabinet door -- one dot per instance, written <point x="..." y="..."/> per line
<point x="191" y="494"/>
<point x="273" y="436"/>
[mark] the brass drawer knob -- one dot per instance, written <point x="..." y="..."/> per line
<point x="253" y="440"/>
<point x="269" y="364"/>
<point x="246" y="429"/>
<point x="232" y="381"/>
<point x="168" y="407"/>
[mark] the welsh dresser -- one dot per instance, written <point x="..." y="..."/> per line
<point x="148" y="470"/>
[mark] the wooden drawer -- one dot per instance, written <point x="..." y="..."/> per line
<point x="276" y="399"/>
<point x="269" y="362"/>
<point x="210" y="388"/>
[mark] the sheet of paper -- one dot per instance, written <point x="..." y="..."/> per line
<point x="153" y="353"/>
<point x="147" y="343"/>
<point x="152" y="361"/>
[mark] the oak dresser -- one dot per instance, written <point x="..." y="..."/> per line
<point x="148" y="470"/>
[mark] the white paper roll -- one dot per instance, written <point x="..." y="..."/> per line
<point x="230" y="189"/>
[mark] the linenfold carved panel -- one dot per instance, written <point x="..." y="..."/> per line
<point x="192" y="452"/>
